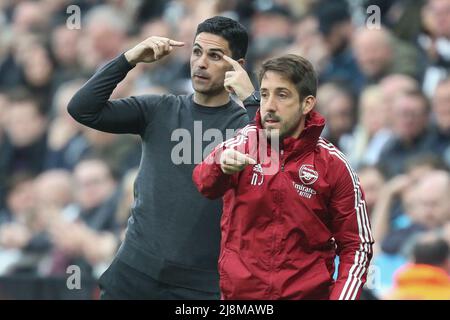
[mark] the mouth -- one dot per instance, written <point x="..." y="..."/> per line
<point x="271" y="121"/>
<point x="200" y="77"/>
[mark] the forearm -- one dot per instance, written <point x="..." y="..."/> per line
<point x="352" y="232"/>
<point x="90" y="105"/>
<point x="209" y="179"/>
<point x="353" y="268"/>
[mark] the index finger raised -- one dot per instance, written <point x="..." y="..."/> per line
<point x="176" y="43"/>
<point x="236" y="65"/>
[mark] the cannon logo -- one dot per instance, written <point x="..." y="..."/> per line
<point x="258" y="175"/>
<point x="307" y="174"/>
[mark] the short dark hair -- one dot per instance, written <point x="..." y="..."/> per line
<point x="229" y="29"/>
<point x="22" y="95"/>
<point x="297" y="69"/>
<point x="331" y="15"/>
<point x="434" y="251"/>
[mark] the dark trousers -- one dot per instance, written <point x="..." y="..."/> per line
<point x="122" y="282"/>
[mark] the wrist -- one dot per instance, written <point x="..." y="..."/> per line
<point x="253" y="99"/>
<point x="130" y="57"/>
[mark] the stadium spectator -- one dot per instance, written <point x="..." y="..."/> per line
<point x="337" y="105"/>
<point x="440" y="133"/>
<point x="336" y="27"/>
<point x="409" y="123"/>
<point x="372" y="181"/>
<point x="86" y="236"/>
<point x="434" y="41"/>
<point x="65" y="141"/>
<point x="394" y="85"/>
<point x="427" y="277"/>
<point x="364" y="145"/>
<point x="24" y="145"/>
<point x="378" y="54"/>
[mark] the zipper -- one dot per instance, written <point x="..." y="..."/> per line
<point x="272" y="290"/>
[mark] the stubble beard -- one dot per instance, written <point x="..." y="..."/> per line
<point x="210" y="91"/>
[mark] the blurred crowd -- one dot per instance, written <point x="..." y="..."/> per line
<point x="66" y="190"/>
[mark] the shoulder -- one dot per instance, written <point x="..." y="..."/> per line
<point x="159" y="98"/>
<point x="242" y="136"/>
<point x="248" y="130"/>
<point x="153" y="102"/>
<point x="336" y="162"/>
<point x="331" y="155"/>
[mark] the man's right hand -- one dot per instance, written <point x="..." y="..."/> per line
<point x="151" y="49"/>
<point x="232" y="161"/>
<point x="238" y="81"/>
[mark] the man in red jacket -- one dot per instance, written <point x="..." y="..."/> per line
<point x="281" y="229"/>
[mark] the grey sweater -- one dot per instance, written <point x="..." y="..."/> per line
<point x="173" y="232"/>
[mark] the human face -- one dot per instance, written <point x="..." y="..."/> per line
<point x="432" y="202"/>
<point x="374" y="115"/>
<point x="339" y="114"/>
<point x="24" y="124"/>
<point x="372" y="51"/>
<point x="94" y="184"/>
<point x="207" y="66"/>
<point x="282" y="113"/>
<point x="441" y="106"/>
<point x="372" y="182"/>
<point x="409" y="117"/>
<point x="440" y="11"/>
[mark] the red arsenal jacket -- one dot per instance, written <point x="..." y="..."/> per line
<point x="281" y="229"/>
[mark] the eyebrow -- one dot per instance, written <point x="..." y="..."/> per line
<point x="213" y="49"/>
<point x="277" y="89"/>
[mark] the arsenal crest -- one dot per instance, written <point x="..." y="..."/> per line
<point x="307" y="174"/>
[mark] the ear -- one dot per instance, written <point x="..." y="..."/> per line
<point x="241" y="62"/>
<point x="308" y="104"/>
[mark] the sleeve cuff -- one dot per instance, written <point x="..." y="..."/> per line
<point x="123" y="63"/>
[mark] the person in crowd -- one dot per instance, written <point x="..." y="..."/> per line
<point x="427" y="277"/>
<point x="409" y="125"/>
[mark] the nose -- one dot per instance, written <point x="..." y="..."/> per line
<point x="202" y="61"/>
<point x="269" y="104"/>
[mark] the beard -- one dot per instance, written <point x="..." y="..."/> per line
<point x="212" y="89"/>
<point x="285" y="128"/>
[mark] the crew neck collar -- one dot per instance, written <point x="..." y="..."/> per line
<point x="209" y="109"/>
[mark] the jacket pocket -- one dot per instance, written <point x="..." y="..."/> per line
<point x="238" y="279"/>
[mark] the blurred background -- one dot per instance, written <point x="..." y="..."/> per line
<point x="66" y="190"/>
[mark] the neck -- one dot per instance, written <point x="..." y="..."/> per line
<point x="299" y="129"/>
<point x="211" y="100"/>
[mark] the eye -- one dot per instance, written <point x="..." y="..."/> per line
<point x="214" y="56"/>
<point x="196" y="52"/>
<point x="282" y="95"/>
<point x="264" y="95"/>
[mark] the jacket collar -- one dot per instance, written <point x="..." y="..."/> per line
<point x="307" y="140"/>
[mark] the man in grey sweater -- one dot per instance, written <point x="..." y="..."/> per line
<point x="172" y="241"/>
